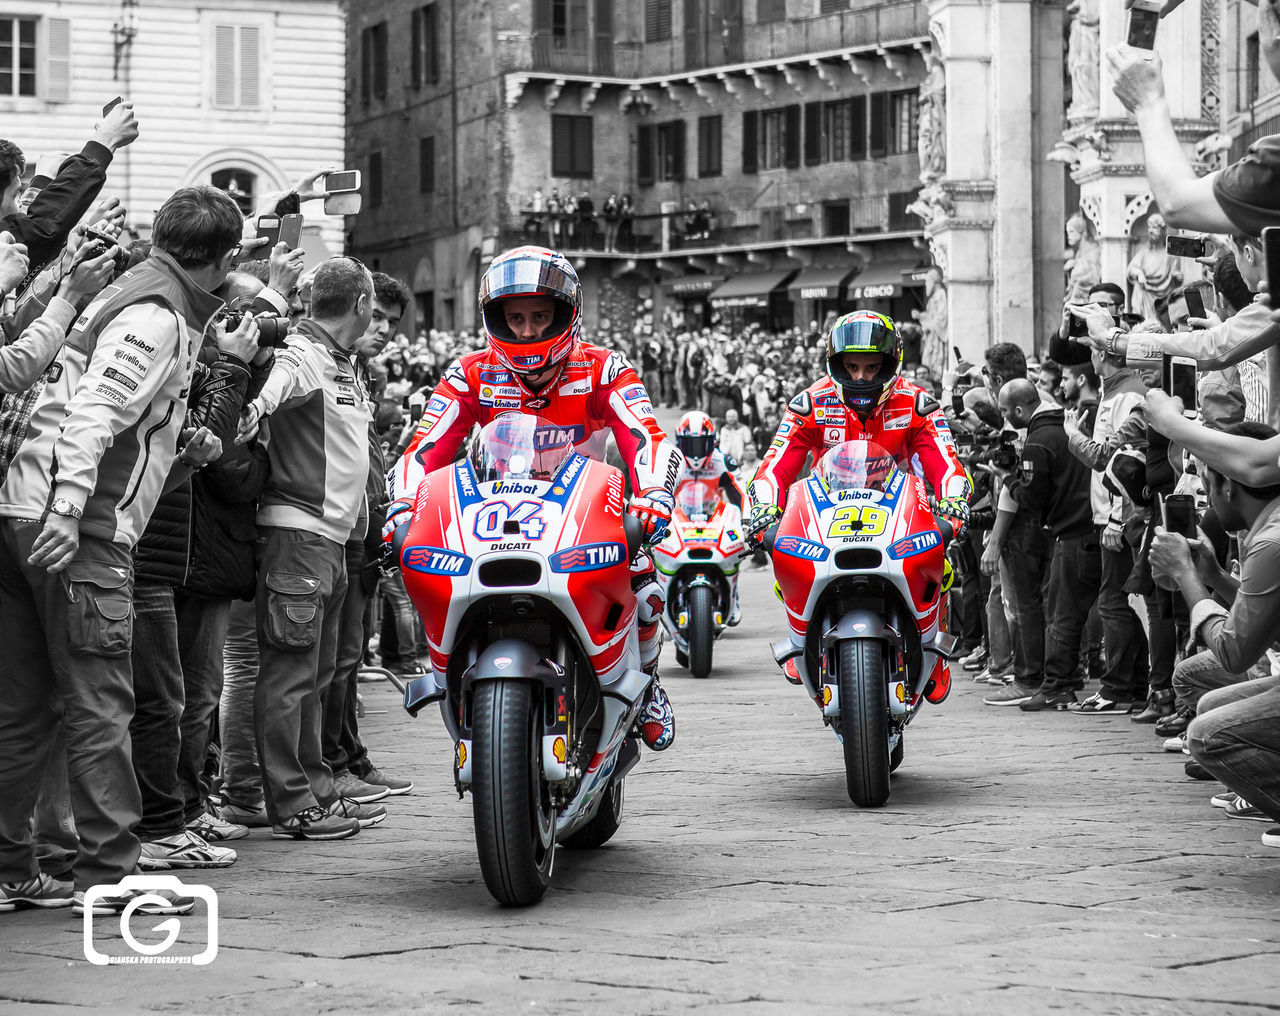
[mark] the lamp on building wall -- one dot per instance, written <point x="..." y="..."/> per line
<point x="123" y="33"/>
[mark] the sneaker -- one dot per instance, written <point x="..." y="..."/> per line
<point x="1177" y="743"/>
<point x="657" y="720"/>
<point x="315" y="824"/>
<point x="41" y="891"/>
<point x="355" y="789"/>
<point x="976" y="660"/>
<point x="997" y="679"/>
<point x="1271" y="838"/>
<point x="173" y="903"/>
<point x="1014" y="694"/>
<point x="1240" y="808"/>
<point x="1042" y="700"/>
<point x="366" y="814"/>
<point x="1224" y="799"/>
<point x="209" y="826"/>
<point x="1099" y="705"/>
<point x="378" y="778"/>
<point x="183" y="850"/>
<point x="251" y="818"/>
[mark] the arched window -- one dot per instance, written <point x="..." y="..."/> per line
<point x="240" y="184"/>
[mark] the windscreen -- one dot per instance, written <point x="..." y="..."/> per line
<point x="519" y="447"/>
<point x="856" y="464"/>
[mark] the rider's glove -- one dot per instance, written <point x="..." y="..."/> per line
<point x="398" y="513"/>
<point x="762" y="517"/>
<point x="955" y="509"/>
<point x="653" y="508"/>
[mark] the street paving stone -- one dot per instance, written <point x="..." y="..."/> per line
<point x="1025" y="863"/>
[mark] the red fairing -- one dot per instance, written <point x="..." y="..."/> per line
<point x="923" y="570"/>
<point x="595" y="593"/>
<point x="433" y="514"/>
<point x="795" y="575"/>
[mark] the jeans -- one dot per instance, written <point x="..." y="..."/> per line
<point x="1024" y="558"/>
<point x="1200" y="674"/>
<point x="1125" y="645"/>
<point x="339" y="736"/>
<point x="155" y="728"/>
<point x="241" y="779"/>
<point x="65" y="662"/>
<point x="999" y="641"/>
<point x="302" y="580"/>
<point x="202" y="630"/>
<point x="410" y="639"/>
<point x="1075" y="574"/>
<point x="1162" y="641"/>
<point x="1237" y="738"/>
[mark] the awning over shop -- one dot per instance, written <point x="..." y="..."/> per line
<point x="820" y="283"/>
<point x="687" y="286"/>
<point x="881" y="280"/>
<point x="751" y="290"/>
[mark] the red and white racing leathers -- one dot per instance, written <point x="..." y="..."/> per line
<point x="597" y="392"/>
<point x="909" y="425"/>
<point x="718" y="470"/>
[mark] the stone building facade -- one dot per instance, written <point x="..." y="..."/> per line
<point x="770" y="150"/>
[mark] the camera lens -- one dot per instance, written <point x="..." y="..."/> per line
<point x="272" y="331"/>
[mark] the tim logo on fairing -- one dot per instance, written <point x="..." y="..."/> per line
<point x="591" y="557"/>
<point x="806" y="550"/>
<point x="435" y="561"/>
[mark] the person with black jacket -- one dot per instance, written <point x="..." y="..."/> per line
<point x="1052" y="485"/>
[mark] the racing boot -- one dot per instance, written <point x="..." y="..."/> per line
<point x="735" y="609"/>
<point x="656" y="722"/>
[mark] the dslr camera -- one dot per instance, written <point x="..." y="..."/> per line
<point x="272" y="328"/>
<point x="96" y="244"/>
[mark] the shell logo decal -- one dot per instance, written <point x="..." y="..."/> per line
<point x="559" y="750"/>
<point x="901" y="691"/>
<point x="462" y="754"/>
<point x="826" y="695"/>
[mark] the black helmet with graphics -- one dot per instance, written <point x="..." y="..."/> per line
<point x="867" y="333"/>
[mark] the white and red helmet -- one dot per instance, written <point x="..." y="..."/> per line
<point x="531" y="271"/>
<point x="696" y="439"/>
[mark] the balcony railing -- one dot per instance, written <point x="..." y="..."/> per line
<point x="688" y="231"/>
<point x="866" y="26"/>
<point x="1240" y="144"/>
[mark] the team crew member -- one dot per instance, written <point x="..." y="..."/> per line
<point x="536" y="363"/>
<point x="863" y="398"/>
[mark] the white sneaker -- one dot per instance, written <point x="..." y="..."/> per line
<point x="1177" y="743"/>
<point x="183" y="850"/>
<point x="209" y="826"/>
<point x="1224" y="799"/>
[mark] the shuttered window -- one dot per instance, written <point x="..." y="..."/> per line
<point x="375" y="179"/>
<point x="657" y="20"/>
<point x="571" y="147"/>
<point x="771" y="10"/>
<point x="58" y="56"/>
<point x="671" y="150"/>
<point x="879" y="125"/>
<point x="833" y="6"/>
<point x="813" y="133"/>
<point x="425" y="43"/>
<point x="858" y="128"/>
<point x="373" y="62"/>
<point x="750" y="141"/>
<point x="427" y="165"/>
<point x="709" y="142"/>
<point x="903" y="122"/>
<point x="644" y="154"/>
<point x="237" y="66"/>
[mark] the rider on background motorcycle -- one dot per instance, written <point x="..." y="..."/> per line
<point x="863" y="397"/>
<point x="703" y="460"/>
<point x="536" y="363"/>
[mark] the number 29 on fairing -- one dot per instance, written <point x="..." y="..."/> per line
<point x="858" y="520"/>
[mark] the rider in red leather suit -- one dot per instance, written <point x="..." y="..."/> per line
<point x="536" y="363"/>
<point x="864" y="397"/>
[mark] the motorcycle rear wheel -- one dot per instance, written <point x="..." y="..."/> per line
<point x="514" y="818"/>
<point x="702" y="605"/>
<point x="863" y="672"/>
<point x="600" y="829"/>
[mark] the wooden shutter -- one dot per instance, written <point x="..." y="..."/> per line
<point x="250" y="66"/>
<point x="542" y="15"/>
<point x="879" y="124"/>
<point x="224" y="65"/>
<point x="366" y="65"/>
<point x="380" y="60"/>
<point x="679" y="131"/>
<point x="812" y="133"/>
<point x="791" y="136"/>
<point x="858" y="128"/>
<point x="417" y="18"/>
<point x="644" y="154"/>
<point x="58" y="67"/>
<point x="750" y="141"/>
<point x="375" y="179"/>
<point x="561" y="146"/>
<point x="583" y="146"/>
<point x="427" y="165"/>
<point x="657" y="20"/>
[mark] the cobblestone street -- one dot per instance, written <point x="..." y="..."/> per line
<point x="1024" y="863"/>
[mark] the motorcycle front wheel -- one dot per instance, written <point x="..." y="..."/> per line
<point x="600" y="829"/>
<point x="514" y="817"/>
<point x="863" y="670"/>
<point x="702" y="605"/>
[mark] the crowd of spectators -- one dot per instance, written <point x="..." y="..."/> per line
<point x="191" y="487"/>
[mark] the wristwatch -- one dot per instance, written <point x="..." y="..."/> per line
<point x="62" y="506"/>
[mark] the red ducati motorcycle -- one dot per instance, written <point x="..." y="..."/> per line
<point x="859" y="562"/>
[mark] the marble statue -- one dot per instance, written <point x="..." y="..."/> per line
<point x="1152" y="273"/>
<point x="1084" y="59"/>
<point x="1082" y="260"/>
<point x="933" y="323"/>
<point x="933" y="119"/>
